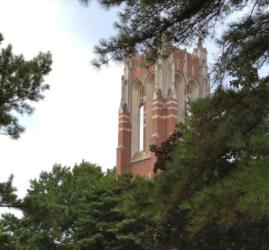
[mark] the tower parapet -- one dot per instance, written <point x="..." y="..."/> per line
<point x="164" y="90"/>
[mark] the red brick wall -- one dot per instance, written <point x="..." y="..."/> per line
<point x="164" y="114"/>
<point x="144" y="167"/>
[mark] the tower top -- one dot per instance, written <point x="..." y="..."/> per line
<point x="164" y="90"/>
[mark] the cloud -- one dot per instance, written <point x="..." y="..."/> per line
<point x="78" y="118"/>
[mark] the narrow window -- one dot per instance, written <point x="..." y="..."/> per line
<point x="141" y="128"/>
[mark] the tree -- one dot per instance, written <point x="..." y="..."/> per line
<point x="8" y="197"/>
<point x="106" y="221"/>
<point x="142" y="23"/>
<point x="52" y="203"/>
<point x="79" y="208"/>
<point x="215" y="182"/>
<point x="213" y="191"/>
<point x="21" y="82"/>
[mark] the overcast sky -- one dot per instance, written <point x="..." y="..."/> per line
<point x="78" y="118"/>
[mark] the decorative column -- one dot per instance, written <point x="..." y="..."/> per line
<point x="124" y="141"/>
<point x="158" y="122"/>
<point x="172" y="115"/>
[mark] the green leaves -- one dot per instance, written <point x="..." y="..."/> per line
<point x="8" y="197"/>
<point x="213" y="189"/>
<point x="141" y="24"/>
<point x="21" y="82"/>
<point x="216" y="181"/>
<point x="246" y="47"/>
<point x="103" y="219"/>
<point x="79" y="208"/>
<point x="244" y="193"/>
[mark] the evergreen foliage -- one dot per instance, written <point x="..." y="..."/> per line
<point x="79" y="208"/>
<point x="21" y="82"/>
<point x="8" y="197"/>
<point x="164" y="152"/>
<point x="213" y="191"/>
<point x="217" y="179"/>
<point x="142" y="23"/>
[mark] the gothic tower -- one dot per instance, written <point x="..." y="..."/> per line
<point x="154" y="99"/>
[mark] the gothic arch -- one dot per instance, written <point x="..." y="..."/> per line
<point x="137" y="101"/>
<point x="149" y="84"/>
<point x="180" y="84"/>
<point x="137" y="84"/>
<point x="193" y="89"/>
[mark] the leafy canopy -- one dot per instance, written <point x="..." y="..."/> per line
<point x="213" y="191"/>
<point x="78" y="208"/>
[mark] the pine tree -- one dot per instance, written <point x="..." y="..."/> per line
<point x="79" y="208"/>
<point x="141" y="25"/>
<point x="21" y="82"/>
<point x="8" y="197"/>
<point x="214" y="183"/>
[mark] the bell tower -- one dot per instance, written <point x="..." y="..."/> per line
<point x="153" y="100"/>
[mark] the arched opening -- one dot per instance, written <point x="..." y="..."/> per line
<point x="141" y="128"/>
<point x="179" y="86"/>
<point x="137" y="100"/>
<point x="192" y="91"/>
<point x="148" y="116"/>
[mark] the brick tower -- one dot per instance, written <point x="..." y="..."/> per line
<point x="153" y="100"/>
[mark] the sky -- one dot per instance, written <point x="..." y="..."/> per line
<point x="77" y="120"/>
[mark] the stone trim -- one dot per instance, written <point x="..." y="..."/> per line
<point x="164" y="116"/>
<point x="125" y="129"/>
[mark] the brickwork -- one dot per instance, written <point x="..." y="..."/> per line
<point x="164" y="90"/>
